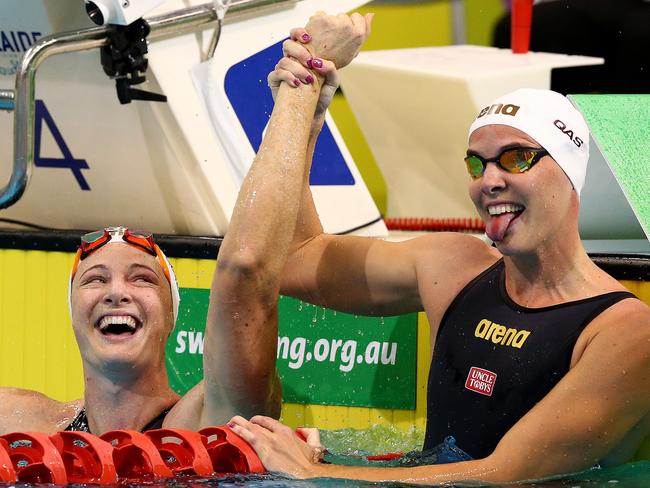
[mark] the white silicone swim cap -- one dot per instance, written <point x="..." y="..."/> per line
<point x="550" y="119"/>
<point x="173" y="285"/>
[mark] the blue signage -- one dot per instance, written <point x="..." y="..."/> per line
<point x="68" y="160"/>
<point x="251" y="99"/>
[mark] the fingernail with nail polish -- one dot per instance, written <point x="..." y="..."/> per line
<point x="317" y="63"/>
<point x="306" y="37"/>
<point x="231" y="425"/>
<point x="309" y="63"/>
<point x="309" y="79"/>
<point x="296" y="82"/>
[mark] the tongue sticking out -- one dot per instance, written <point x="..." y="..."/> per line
<point x="497" y="226"/>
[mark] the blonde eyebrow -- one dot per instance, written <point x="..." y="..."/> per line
<point x="133" y="266"/>
<point x="103" y="267"/>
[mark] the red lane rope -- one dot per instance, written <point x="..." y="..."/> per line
<point x="127" y="456"/>
<point x="426" y="224"/>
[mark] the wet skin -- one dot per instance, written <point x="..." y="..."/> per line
<point x="544" y="191"/>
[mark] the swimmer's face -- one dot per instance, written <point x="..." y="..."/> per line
<point x="521" y="211"/>
<point x="121" y="308"/>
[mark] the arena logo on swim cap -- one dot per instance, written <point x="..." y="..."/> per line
<point x="568" y="132"/>
<point x="499" y="108"/>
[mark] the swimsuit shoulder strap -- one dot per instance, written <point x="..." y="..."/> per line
<point x="79" y="423"/>
<point x="157" y="422"/>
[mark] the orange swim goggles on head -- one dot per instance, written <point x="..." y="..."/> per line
<point x="93" y="241"/>
<point x="141" y="240"/>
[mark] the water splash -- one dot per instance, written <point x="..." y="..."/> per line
<point x="378" y="439"/>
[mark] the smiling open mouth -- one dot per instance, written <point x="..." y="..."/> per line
<point x="501" y="216"/>
<point x="118" y="325"/>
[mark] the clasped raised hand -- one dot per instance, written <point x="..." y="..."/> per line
<point x="315" y="52"/>
<point x="338" y="38"/>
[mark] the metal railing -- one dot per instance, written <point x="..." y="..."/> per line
<point x="7" y="100"/>
<point x="22" y="101"/>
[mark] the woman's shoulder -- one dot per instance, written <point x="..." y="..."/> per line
<point x="24" y="410"/>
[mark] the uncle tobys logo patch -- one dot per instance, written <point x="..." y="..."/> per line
<point x="481" y="381"/>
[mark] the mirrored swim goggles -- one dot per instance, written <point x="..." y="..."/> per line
<point x="512" y="160"/>
<point x="143" y="241"/>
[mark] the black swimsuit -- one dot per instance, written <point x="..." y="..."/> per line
<point x="80" y="422"/>
<point x="493" y="360"/>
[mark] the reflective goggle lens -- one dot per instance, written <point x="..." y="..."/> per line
<point x="92" y="241"/>
<point x="93" y="236"/>
<point x="474" y="166"/>
<point x="141" y="239"/>
<point x="515" y="160"/>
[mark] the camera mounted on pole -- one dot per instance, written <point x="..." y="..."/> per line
<point x="125" y="60"/>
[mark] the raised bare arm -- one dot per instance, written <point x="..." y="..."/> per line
<point x="358" y="274"/>
<point x="241" y="332"/>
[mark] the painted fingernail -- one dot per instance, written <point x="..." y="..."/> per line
<point x="306" y="37"/>
<point x="309" y="79"/>
<point x="317" y="63"/>
<point x="309" y="63"/>
<point x="230" y="425"/>
<point x="296" y="82"/>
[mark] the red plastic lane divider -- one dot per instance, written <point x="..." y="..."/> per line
<point x="229" y="452"/>
<point x="466" y="224"/>
<point x="7" y="471"/>
<point x="135" y="456"/>
<point x="183" y="451"/>
<point x="86" y="458"/>
<point x="123" y="455"/>
<point x="35" y="458"/>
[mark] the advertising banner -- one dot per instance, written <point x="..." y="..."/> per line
<point x="324" y="357"/>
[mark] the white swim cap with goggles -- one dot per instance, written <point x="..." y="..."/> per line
<point x="550" y="119"/>
<point x="143" y="241"/>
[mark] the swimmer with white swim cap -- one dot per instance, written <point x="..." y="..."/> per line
<point x="540" y="359"/>
<point x="124" y="302"/>
<point x="551" y="124"/>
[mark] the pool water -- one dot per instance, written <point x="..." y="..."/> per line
<point x="349" y="446"/>
<point x="382" y="439"/>
<point x="633" y="475"/>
